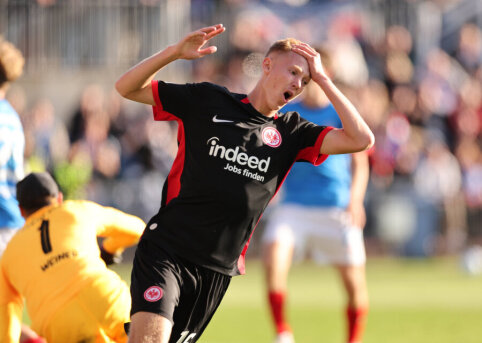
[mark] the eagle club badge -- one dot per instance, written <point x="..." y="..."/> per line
<point x="271" y="137"/>
<point x="153" y="293"/>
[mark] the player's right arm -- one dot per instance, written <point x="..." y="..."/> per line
<point x="135" y="84"/>
<point x="355" y="135"/>
<point x="11" y="306"/>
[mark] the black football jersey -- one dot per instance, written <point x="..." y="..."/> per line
<point x="230" y="163"/>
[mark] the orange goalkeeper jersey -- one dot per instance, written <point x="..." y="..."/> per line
<point x="54" y="255"/>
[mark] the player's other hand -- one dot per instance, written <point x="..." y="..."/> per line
<point x="191" y="46"/>
<point x="109" y="258"/>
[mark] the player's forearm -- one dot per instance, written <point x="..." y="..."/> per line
<point x="360" y="176"/>
<point x="118" y="244"/>
<point x="354" y="127"/>
<point x="124" y="231"/>
<point x="135" y="83"/>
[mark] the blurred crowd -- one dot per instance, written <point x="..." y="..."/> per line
<point x="104" y="152"/>
<point x="425" y="193"/>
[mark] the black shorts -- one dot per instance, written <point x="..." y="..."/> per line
<point x="186" y="294"/>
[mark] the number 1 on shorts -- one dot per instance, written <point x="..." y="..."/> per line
<point x="185" y="339"/>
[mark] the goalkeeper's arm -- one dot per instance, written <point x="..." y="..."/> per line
<point x="117" y="229"/>
<point x="110" y="258"/>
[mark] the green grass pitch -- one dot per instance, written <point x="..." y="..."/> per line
<point x="412" y="301"/>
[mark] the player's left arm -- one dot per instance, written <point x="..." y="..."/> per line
<point x="355" y="135"/>
<point x="11" y="306"/>
<point x="360" y="174"/>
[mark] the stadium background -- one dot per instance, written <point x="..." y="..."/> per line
<point x="413" y="69"/>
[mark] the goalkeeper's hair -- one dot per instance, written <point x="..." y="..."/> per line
<point x="35" y="191"/>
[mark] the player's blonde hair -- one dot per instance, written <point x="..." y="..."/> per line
<point x="11" y="62"/>
<point x="283" y="45"/>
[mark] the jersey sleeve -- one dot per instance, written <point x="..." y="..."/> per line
<point x="311" y="138"/>
<point x="11" y="306"/>
<point x="119" y="229"/>
<point x="177" y="101"/>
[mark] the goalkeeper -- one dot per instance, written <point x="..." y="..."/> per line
<point x="54" y="262"/>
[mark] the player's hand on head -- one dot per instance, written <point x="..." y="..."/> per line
<point x="313" y="58"/>
<point x="191" y="46"/>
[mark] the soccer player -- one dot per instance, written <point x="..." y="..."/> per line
<point x="234" y="152"/>
<point x="54" y="263"/>
<point x="321" y="214"/>
<point x="12" y="143"/>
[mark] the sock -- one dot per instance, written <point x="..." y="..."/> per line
<point x="356" y="323"/>
<point x="277" y="305"/>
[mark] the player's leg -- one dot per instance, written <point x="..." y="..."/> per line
<point x="173" y="299"/>
<point x="149" y="327"/>
<point x="352" y="271"/>
<point x="155" y="291"/>
<point x="181" y="304"/>
<point x="200" y="301"/>
<point x="338" y="243"/>
<point x="278" y="250"/>
<point x="277" y="262"/>
<point x="354" y="281"/>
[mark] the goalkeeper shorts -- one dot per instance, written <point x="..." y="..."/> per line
<point x="95" y="315"/>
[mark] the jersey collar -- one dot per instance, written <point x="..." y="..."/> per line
<point x="245" y="100"/>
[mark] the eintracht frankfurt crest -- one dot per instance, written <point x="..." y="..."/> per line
<point x="153" y="293"/>
<point x="271" y="137"/>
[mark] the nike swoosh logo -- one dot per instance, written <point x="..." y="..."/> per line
<point x="216" y="120"/>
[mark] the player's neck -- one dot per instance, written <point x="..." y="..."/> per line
<point x="258" y="99"/>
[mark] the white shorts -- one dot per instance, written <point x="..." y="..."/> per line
<point x="323" y="234"/>
<point x="6" y="235"/>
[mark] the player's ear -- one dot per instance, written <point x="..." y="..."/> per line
<point x="267" y="65"/>
<point x="60" y="197"/>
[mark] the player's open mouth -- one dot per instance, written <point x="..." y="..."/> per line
<point x="287" y="95"/>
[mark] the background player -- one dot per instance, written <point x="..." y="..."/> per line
<point x="322" y="214"/>
<point x="12" y="143"/>
<point x="54" y="262"/>
<point x="234" y="152"/>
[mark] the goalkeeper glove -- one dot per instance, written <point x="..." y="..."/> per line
<point x="109" y="258"/>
